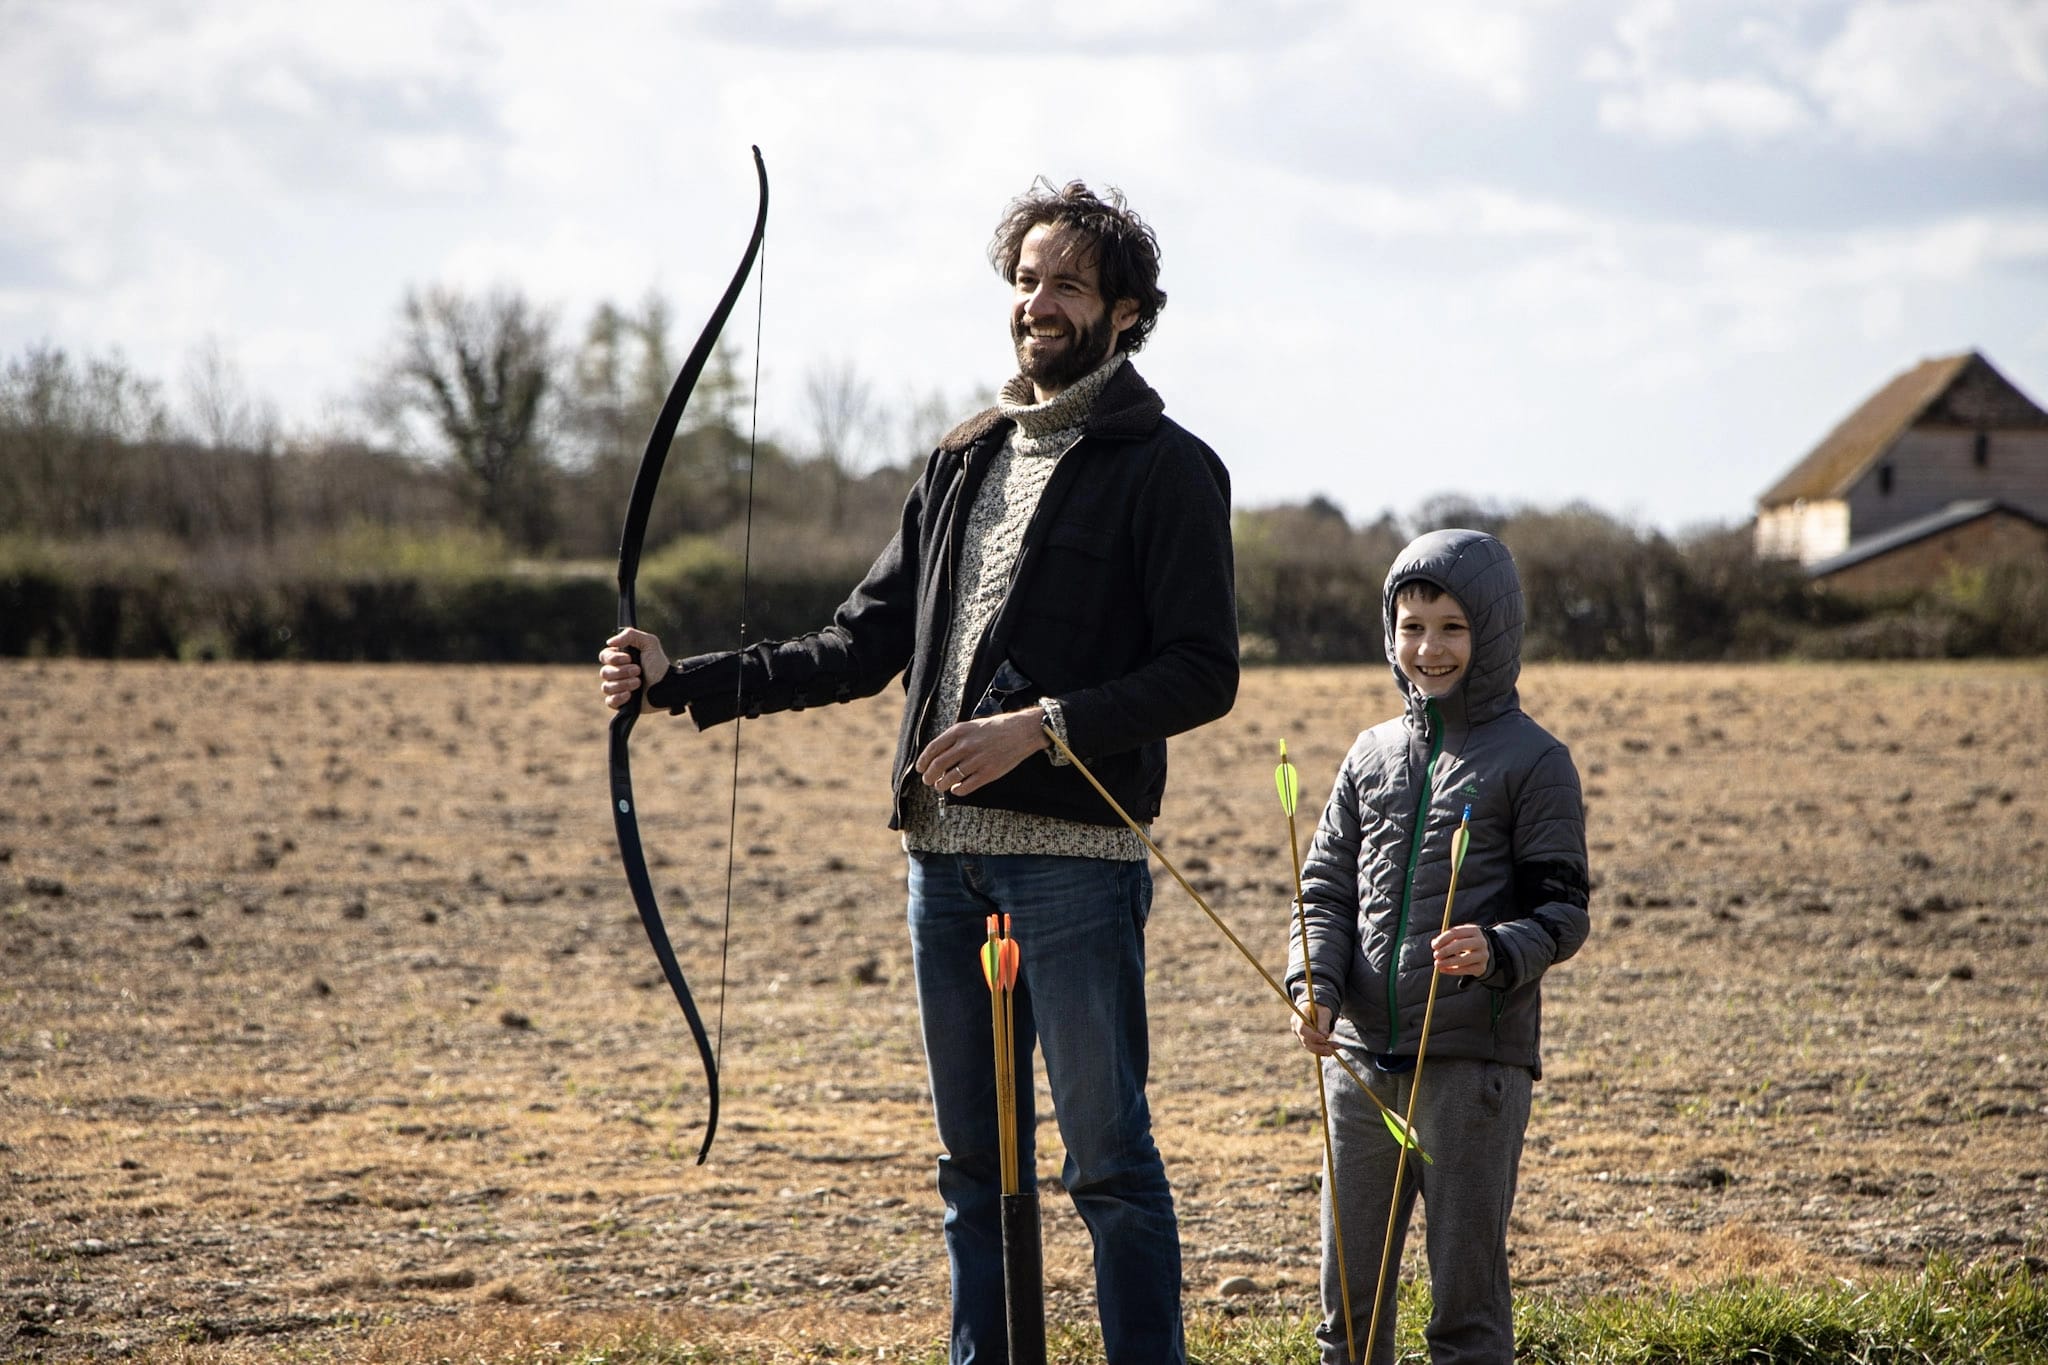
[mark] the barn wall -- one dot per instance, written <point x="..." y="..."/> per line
<point x="1997" y="538"/>
<point x="1932" y="467"/>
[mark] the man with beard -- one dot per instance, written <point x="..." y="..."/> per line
<point x="1063" y="563"/>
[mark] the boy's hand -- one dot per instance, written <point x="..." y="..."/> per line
<point x="1462" y="950"/>
<point x="1318" y="1039"/>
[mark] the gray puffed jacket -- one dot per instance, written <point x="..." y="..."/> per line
<point x="1377" y="873"/>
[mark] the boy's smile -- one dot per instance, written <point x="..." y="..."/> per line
<point x="1433" y="643"/>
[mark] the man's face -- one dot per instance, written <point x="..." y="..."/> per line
<point x="1060" y="323"/>
<point x="1432" y="643"/>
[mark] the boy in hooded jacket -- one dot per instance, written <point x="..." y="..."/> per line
<point x="1373" y="893"/>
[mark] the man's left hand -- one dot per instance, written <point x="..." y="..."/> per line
<point x="974" y="753"/>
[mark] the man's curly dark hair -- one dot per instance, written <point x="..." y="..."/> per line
<point x="1126" y="252"/>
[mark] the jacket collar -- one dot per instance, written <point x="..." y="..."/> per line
<point x="1129" y="408"/>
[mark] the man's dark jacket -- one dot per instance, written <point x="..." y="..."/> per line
<point x="1121" y="606"/>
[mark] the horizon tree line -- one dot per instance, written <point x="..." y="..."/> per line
<point x="482" y="438"/>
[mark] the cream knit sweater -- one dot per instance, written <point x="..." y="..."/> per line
<point x="996" y="524"/>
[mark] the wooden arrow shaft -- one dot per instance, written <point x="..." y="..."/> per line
<point x="1216" y="919"/>
<point x="1415" y="1085"/>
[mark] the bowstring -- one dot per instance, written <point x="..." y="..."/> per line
<point x="738" y="687"/>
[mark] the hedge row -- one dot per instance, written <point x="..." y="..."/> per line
<point x="1288" y="613"/>
<point x="506" y="618"/>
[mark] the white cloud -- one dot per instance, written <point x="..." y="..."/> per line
<point x="200" y="60"/>
<point x="1432" y="238"/>
<point x="1364" y="56"/>
<point x="1488" y="48"/>
<point x="1036" y="30"/>
<point x="1903" y="74"/>
<point x="1924" y="73"/>
<point x="1649" y="96"/>
<point x="1681" y="110"/>
<point x="1444" y="212"/>
<point x="436" y="162"/>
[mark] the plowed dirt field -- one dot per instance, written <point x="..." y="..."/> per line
<point x="324" y="1010"/>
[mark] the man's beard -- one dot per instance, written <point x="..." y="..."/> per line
<point x="1085" y="348"/>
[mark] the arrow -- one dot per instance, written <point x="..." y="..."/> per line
<point x="1459" y="842"/>
<point x="1000" y="958"/>
<point x="1288" y="781"/>
<point x="1023" y="1256"/>
<point x="1395" y="1123"/>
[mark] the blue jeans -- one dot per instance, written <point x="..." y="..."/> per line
<point x="1080" y="927"/>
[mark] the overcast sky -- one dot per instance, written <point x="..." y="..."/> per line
<point x="1637" y="253"/>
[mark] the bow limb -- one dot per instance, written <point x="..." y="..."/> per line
<point x="631" y="540"/>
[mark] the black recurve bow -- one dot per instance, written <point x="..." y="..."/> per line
<point x="630" y="541"/>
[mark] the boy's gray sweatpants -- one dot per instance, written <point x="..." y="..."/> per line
<point x="1470" y="1120"/>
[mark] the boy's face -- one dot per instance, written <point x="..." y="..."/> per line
<point x="1433" y="643"/>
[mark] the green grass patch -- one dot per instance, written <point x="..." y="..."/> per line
<point x="1982" y="1315"/>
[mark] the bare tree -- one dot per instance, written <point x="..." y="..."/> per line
<point x="716" y="449"/>
<point x="66" y="433"/>
<point x="623" y="369"/>
<point x="919" y="424"/>
<point x="223" y="413"/>
<point x="655" y="364"/>
<point x="480" y="372"/>
<point x="227" y="419"/>
<point x="840" y="409"/>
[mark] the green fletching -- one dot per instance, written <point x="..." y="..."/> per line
<point x="1403" y="1134"/>
<point x="1458" y="844"/>
<point x="1288" y="781"/>
<point x="991" y="964"/>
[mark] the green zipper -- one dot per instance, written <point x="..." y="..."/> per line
<point x="1436" y="746"/>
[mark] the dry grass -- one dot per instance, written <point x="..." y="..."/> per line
<point x="325" y="1021"/>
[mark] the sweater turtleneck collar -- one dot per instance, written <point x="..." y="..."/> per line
<point x="1063" y="411"/>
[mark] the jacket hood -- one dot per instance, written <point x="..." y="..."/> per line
<point x="1479" y="572"/>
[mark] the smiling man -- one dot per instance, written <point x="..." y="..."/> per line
<point x="1063" y="562"/>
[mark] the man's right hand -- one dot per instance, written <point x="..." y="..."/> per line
<point x="618" y="676"/>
